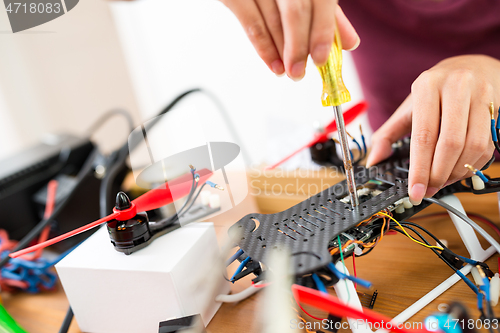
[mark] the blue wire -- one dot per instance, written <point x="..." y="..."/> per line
<point x="35" y="273"/>
<point x="364" y="144"/>
<point x="211" y="184"/>
<point x="468" y="282"/>
<point x="493" y="131"/>
<point x="240" y="268"/>
<point x="341" y="276"/>
<point x="319" y="283"/>
<point x="480" y="301"/>
<point x="234" y="257"/>
<point x="482" y="176"/>
<point x="468" y="260"/>
<point x="358" y="145"/>
<point x="486" y="288"/>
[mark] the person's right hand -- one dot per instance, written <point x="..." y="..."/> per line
<point x="285" y="32"/>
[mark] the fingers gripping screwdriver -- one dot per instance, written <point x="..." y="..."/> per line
<point x="335" y="94"/>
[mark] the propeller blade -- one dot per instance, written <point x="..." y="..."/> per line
<point x="162" y="195"/>
<point x="349" y="116"/>
<point x="153" y="199"/>
<point x="333" y="305"/>
<point x="63" y="236"/>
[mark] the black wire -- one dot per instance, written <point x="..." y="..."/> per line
<point x="164" y="223"/>
<point x="193" y="201"/>
<point x="424" y="230"/>
<point x="194" y="185"/>
<point x="490" y="329"/>
<point x="426" y="242"/>
<point x="492" y="159"/>
<point x="407" y="223"/>
<point x="120" y="156"/>
<point x="67" y="321"/>
<point x="105" y="117"/>
<point x="497" y="145"/>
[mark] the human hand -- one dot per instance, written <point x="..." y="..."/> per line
<point x="285" y="32"/>
<point x="448" y="115"/>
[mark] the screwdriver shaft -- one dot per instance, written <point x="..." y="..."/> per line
<point x="349" y="172"/>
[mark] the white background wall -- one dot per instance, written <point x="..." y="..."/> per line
<point x="62" y="75"/>
<point x="172" y="45"/>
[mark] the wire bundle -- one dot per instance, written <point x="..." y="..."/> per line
<point x="32" y="274"/>
<point x="362" y="151"/>
<point x="191" y="199"/>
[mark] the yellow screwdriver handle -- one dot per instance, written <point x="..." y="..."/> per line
<point x="334" y="91"/>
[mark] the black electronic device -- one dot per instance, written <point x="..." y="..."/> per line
<point x="137" y="232"/>
<point x="26" y="173"/>
<point x="181" y="324"/>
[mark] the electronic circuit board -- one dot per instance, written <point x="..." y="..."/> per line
<point x="308" y="228"/>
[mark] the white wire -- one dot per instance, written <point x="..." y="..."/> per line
<point x="239" y="296"/>
<point x="464" y="217"/>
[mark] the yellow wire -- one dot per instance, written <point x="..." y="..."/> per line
<point x="303" y="320"/>
<point x="413" y="239"/>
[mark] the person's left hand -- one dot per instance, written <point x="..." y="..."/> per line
<point x="448" y="115"/>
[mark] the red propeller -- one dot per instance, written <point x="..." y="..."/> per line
<point x="349" y="116"/>
<point x="153" y="199"/>
<point x="333" y="305"/>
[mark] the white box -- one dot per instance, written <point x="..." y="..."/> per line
<point x="112" y="292"/>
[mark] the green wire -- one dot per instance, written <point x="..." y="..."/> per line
<point x="345" y="272"/>
<point x="7" y="323"/>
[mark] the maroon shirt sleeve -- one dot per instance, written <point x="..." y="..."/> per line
<point x="402" y="38"/>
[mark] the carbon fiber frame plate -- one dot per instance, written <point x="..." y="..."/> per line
<point x="306" y="228"/>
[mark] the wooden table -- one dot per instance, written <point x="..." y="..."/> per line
<point x="400" y="270"/>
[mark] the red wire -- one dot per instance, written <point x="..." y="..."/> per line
<point x="354" y="269"/>
<point x="307" y="313"/>
<point x="49" y="208"/>
<point x="333" y="305"/>
<point x="64" y="236"/>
